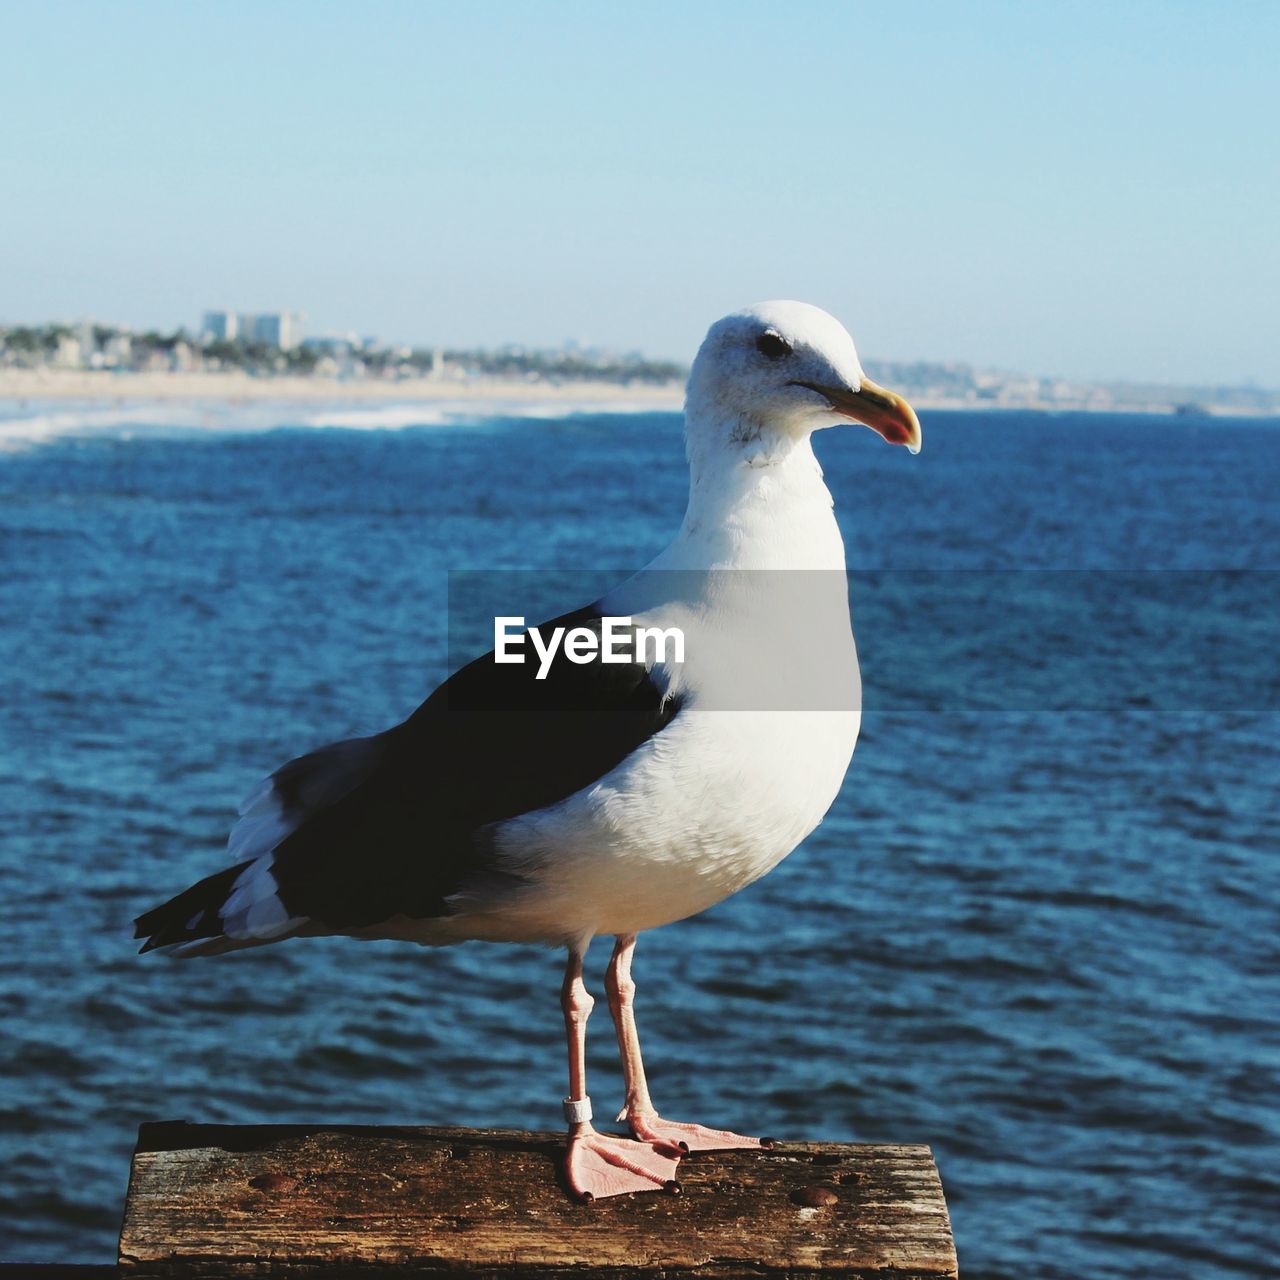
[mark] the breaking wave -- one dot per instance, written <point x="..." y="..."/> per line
<point x="35" y="422"/>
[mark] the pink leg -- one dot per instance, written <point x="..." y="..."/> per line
<point x="598" y="1165"/>
<point x="639" y="1111"/>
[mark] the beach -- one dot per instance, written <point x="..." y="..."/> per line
<point x="454" y="397"/>
<point x="241" y="388"/>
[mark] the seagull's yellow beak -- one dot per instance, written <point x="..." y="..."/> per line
<point x="875" y="407"/>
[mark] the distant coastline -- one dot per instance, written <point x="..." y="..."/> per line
<point x="528" y="394"/>
<point x="266" y="360"/>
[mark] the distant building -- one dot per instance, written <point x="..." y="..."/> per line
<point x="338" y="345"/>
<point x="87" y="339"/>
<point x="66" y="354"/>
<point x="220" y="326"/>
<point x="281" y="329"/>
<point x="118" y="350"/>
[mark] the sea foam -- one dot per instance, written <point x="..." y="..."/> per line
<point x="34" y="422"/>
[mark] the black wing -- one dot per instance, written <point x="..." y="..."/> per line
<point x="394" y="824"/>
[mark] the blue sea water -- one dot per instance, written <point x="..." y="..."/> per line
<point x="1039" y="930"/>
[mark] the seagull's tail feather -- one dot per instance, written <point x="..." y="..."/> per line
<point x="191" y="922"/>
<point x="242" y="906"/>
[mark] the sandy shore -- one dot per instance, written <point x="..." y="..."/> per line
<point x="70" y="384"/>
<point x="23" y="389"/>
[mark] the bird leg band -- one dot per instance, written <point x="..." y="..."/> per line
<point x="577" y="1110"/>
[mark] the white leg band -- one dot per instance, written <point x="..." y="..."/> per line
<point x="577" y="1110"/>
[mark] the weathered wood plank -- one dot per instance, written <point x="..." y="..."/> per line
<point x="294" y="1200"/>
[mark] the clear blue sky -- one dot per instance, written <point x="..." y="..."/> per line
<point x="1074" y="188"/>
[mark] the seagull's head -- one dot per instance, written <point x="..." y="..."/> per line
<point x="785" y="369"/>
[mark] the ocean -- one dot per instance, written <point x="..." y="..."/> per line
<point x="1038" y="931"/>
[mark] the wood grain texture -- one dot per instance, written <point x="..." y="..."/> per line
<point x="296" y="1200"/>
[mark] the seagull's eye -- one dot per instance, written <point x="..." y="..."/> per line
<point x="773" y="346"/>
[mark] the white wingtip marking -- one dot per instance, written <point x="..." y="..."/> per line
<point x="257" y="834"/>
<point x="253" y="909"/>
<point x="261" y="799"/>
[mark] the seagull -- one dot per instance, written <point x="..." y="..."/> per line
<point x="595" y="790"/>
